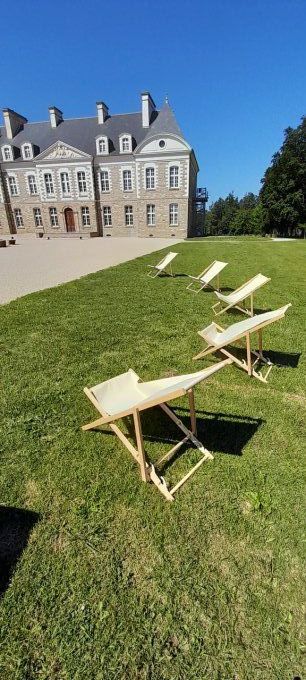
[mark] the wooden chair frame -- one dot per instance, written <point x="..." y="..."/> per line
<point x="244" y="310"/>
<point x="197" y="280"/>
<point x="245" y="364"/>
<point x="153" y="274"/>
<point x="147" y="469"/>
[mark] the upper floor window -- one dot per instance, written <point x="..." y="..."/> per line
<point x="104" y="180"/>
<point x="150" y="178"/>
<point x="151" y="215"/>
<point x="127" y="180"/>
<point x="129" y="219"/>
<point x="7" y="153"/>
<point x="18" y="218"/>
<point x="173" y="214"/>
<point x="65" y="183"/>
<point x="13" y="186"/>
<point x="102" y="145"/>
<point x="125" y="143"/>
<point x="49" y="186"/>
<point x="27" y="151"/>
<point x="85" y="216"/>
<point x="174" y="177"/>
<point x="32" y="184"/>
<point x="82" y="182"/>
<point x="53" y="217"/>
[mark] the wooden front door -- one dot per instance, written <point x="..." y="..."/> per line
<point x="69" y="219"/>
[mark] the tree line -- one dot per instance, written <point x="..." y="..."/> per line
<point x="280" y="207"/>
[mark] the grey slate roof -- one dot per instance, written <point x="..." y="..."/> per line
<point x="81" y="133"/>
<point x="165" y="122"/>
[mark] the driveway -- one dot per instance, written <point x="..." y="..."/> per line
<point x="34" y="264"/>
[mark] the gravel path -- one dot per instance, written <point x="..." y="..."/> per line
<point x="34" y="264"/>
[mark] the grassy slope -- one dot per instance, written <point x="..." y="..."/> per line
<point x="114" y="582"/>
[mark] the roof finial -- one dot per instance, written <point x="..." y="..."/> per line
<point x="166" y="99"/>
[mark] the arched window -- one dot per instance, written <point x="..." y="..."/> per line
<point x="7" y="153"/>
<point x="102" y="145"/>
<point x="125" y="143"/>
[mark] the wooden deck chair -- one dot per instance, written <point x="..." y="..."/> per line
<point x="206" y="277"/>
<point x="218" y="339"/>
<point x="161" y="266"/>
<point x="126" y="395"/>
<point x="245" y="291"/>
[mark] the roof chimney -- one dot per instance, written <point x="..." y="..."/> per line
<point x="56" y="116"/>
<point x="13" y="122"/>
<point x="148" y="107"/>
<point x="102" y="111"/>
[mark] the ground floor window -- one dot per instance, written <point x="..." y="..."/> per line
<point x="173" y="214"/>
<point x="150" y="215"/>
<point x="53" y="217"/>
<point x="18" y="218"/>
<point x="107" y="216"/>
<point x="129" y="219"/>
<point x="85" y="217"/>
<point x="37" y="217"/>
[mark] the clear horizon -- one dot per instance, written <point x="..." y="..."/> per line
<point x="234" y="72"/>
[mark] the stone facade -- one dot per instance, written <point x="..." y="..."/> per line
<point x="132" y="178"/>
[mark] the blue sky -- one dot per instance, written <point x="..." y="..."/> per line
<point x="234" y="71"/>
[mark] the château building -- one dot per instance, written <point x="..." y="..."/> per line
<point x="108" y="175"/>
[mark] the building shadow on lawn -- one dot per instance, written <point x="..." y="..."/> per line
<point x="15" y="528"/>
<point x="220" y="432"/>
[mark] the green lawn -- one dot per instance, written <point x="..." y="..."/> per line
<point x="111" y="581"/>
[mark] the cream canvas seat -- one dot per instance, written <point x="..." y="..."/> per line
<point x="206" y="277"/>
<point x="234" y="299"/>
<point x="126" y="395"/>
<point x="217" y="339"/>
<point x="162" y="265"/>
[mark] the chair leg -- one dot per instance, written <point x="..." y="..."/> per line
<point x="140" y="446"/>
<point x="249" y="358"/>
<point x="192" y="412"/>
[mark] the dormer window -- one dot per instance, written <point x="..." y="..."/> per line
<point x="125" y="143"/>
<point x="27" y="151"/>
<point x="7" y="153"/>
<point x="102" y="145"/>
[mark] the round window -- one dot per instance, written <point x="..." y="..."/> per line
<point x="162" y="143"/>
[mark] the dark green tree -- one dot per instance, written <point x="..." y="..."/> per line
<point x="283" y="193"/>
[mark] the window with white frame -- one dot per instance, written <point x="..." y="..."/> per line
<point x="173" y="214"/>
<point x="102" y="145"/>
<point x="104" y="180"/>
<point x="13" y="186"/>
<point x="37" y="217"/>
<point x="53" y="217"/>
<point x="150" y="215"/>
<point x="85" y="216"/>
<point x="129" y="218"/>
<point x="18" y="218"/>
<point x="7" y="153"/>
<point x="32" y="185"/>
<point x="127" y="180"/>
<point x="65" y="183"/>
<point x="27" y="151"/>
<point x="49" y="186"/>
<point x="107" y="216"/>
<point x="150" y="178"/>
<point x="125" y="144"/>
<point x="174" y="177"/>
<point x="82" y="184"/>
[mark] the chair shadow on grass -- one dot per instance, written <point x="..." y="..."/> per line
<point x="219" y="432"/>
<point x="15" y="528"/>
